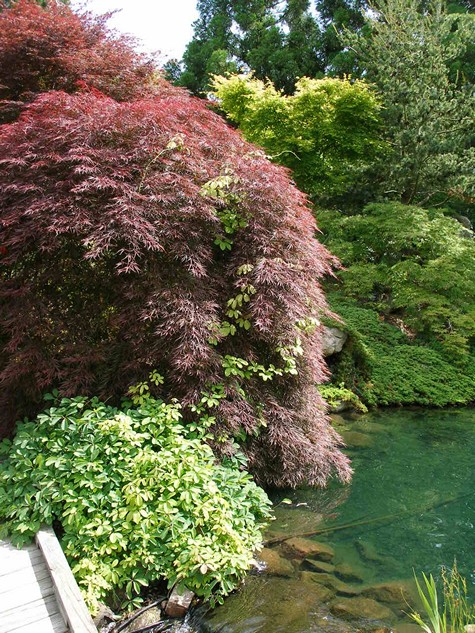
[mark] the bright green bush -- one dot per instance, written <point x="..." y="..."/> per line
<point x="415" y="264"/>
<point x="139" y="495"/>
<point x="385" y="367"/>
<point x="327" y="132"/>
<point x="335" y="395"/>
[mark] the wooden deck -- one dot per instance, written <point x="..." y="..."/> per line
<point x="38" y="593"/>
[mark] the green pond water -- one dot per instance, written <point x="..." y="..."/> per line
<point x="410" y="505"/>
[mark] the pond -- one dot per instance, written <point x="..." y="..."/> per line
<point x="410" y="506"/>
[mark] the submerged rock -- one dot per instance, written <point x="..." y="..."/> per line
<point x="323" y="593"/>
<point x="356" y="439"/>
<point x="294" y="520"/>
<point x="275" y="564"/>
<point x="338" y="586"/>
<point x="395" y="592"/>
<point x="300" y="548"/>
<point x="273" y="605"/>
<point x="364" y="608"/>
<point x="369" y="553"/>
<point x="318" y="566"/>
<point x="346" y="572"/>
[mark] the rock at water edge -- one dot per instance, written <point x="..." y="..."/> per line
<point x="333" y="340"/>
<point x="179" y="602"/>
<point x="275" y="564"/>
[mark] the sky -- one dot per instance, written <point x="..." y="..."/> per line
<point x="161" y="25"/>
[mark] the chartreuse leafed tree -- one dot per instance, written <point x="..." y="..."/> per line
<point x="327" y="132"/>
<point x="428" y="113"/>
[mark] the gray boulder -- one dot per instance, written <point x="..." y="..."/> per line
<point x="333" y="340"/>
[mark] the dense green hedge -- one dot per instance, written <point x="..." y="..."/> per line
<point x="384" y="367"/>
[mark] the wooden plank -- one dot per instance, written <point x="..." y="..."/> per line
<point x="35" y="561"/>
<point x="34" y="612"/>
<point x="19" y="578"/>
<point x="21" y="560"/>
<point x="67" y="591"/>
<point x="15" y="599"/>
<point x="9" y="547"/>
<point x="32" y="605"/>
<point x="50" y="624"/>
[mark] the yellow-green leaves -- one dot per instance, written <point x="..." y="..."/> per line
<point x="327" y="132"/>
<point x="140" y="496"/>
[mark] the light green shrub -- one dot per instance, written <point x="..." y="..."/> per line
<point x="335" y="395"/>
<point x="139" y="495"/>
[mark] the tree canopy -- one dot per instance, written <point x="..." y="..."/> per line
<point x="54" y="48"/>
<point x="327" y="132"/>
<point x="278" y="43"/>
<point x="147" y="234"/>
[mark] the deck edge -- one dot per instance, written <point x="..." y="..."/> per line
<point x="68" y="594"/>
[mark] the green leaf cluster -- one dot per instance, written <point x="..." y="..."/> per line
<point x="139" y="496"/>
<point x="327" y="132"/>
<point x="413" y="265"/>
<point x="335" y="395"/>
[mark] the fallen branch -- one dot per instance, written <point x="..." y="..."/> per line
<point x="346" y="526"/>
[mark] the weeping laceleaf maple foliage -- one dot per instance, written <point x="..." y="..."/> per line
<point x="53" y="48"/>
<point x="127" y="230"/>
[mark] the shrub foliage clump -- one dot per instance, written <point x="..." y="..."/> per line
<point x="139" y="496"/>
<point x="412" y="264"/>
<point x="149" y="235"/>
<point x="385" y="367"/>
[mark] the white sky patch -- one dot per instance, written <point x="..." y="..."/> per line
<point x="163" y="26"/>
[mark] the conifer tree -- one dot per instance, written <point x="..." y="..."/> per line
<point x="428" y="113"/>
<point x="280" y="43"/>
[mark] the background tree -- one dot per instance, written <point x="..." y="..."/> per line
<point x="212" y="46"/>
<point x="427" y="114"/>
<point x="406" y="294"/>
<point x="280" y="43"/>
<point x="335" y="16"/>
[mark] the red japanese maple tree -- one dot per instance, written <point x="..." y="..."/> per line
<point x="142" y="234"/>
